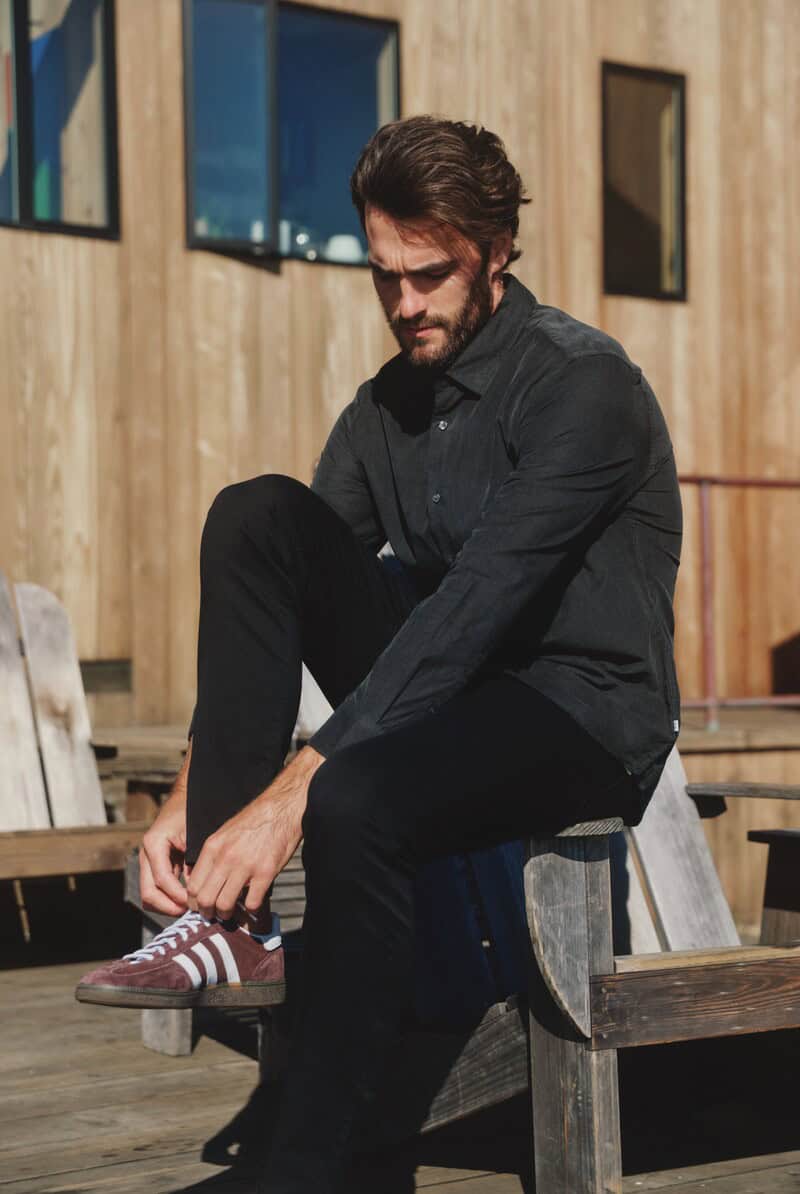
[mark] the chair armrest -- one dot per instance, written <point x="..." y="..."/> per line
<point x="764" y="791"/>
<point x="780" y="918"/>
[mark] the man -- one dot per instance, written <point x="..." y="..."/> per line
<point x="512" y="673"/>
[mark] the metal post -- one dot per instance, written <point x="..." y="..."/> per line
<point x="709" y="644"/>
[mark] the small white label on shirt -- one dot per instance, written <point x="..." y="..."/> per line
<point x="676" y="725"/>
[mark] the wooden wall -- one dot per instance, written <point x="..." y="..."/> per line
<point x="138" y="378"/>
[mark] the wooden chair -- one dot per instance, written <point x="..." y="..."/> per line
<point x="569" y="948"/>
<point x="584" y="1004"/>
<point x="52" y="817"/>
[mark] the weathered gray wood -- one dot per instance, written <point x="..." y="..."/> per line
<point x="574" y="1091"/>
<point x="757" y="791"/>
<point x="634" y="931"/>
<point x="751" y="993"/>
<point x="166" y="1030"/>
<point x="436" y="1078"/>
<point x="23" y="801"/>
<point x="593" y="828"/>
<point x="62" y="717"/>
<point x="555" y="897"/>
<point x="674" y="858"/>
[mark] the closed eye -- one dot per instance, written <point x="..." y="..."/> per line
<point x="385" y="275"/>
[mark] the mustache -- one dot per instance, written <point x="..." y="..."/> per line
<point x="407" y="325"/>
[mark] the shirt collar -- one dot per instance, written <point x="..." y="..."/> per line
<point x="475" y="367"/>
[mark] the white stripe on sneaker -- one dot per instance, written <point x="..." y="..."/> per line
<point x="188" y="965"/>
<point x="229" y="962"/>
<point x="207" y="959"/>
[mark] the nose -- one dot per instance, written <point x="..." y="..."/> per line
<point x="412" y="303"/>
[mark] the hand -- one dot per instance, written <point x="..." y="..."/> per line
<point x="253" y="847"/>
<point x="161" y="858"/>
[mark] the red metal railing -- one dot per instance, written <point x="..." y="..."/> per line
<point x="712" y="702"/>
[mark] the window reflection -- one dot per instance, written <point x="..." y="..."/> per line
<point x="229" y="100"/>
<point x="9" y="191"/>
<point x="643" y="184"/>
<point x="337" y="83"/>
<point x="69" y="111"/>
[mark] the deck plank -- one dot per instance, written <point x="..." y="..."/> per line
<point x="85" y="1108"/>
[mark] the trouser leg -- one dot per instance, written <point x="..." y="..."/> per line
<point x="496" y="762"/>
<point x="283" y="579"/>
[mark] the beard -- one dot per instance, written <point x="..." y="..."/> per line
<point x="458" y="330"/>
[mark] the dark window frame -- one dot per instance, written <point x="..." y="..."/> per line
<point x="23" y="113"/>
<point x="674" y="79"/>
<point x="269" y="247"/>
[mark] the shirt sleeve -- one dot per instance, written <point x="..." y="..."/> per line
<point x="582" y="451"/>
<point x="340" y="480"/>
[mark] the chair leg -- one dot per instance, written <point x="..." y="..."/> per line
<point x="166" y="1031"/>
<point x="574" y="1091"/>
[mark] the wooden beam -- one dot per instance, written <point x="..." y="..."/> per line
<point x="574" y="1095"/>
<point x="689" y="1002"/>
<point x="758" y="791"/>
<point x="34" y="853"/>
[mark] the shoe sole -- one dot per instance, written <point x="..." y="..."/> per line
<point x="224" y="995"/>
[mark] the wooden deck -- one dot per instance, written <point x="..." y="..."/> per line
<point x="84" y="1107"/>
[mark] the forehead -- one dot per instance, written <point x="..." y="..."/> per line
<point x="414" y="242"/>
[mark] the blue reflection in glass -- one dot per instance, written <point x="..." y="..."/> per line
<point x="230" y="170"/>
<point x="337" y="83"/>
<point x="8" y="124"/>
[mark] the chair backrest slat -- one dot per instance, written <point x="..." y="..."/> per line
<point x="60" y="708"/>
<point x="23" y="800"/>
<point x="678" y="869"/>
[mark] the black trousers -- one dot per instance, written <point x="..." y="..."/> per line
<point x="284" y="579"/>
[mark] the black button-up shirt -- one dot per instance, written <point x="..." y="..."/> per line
<point x="530" y="494"/>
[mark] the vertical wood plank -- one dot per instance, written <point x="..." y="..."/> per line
<point x="166" y="1030"/>
<point x="60" y="705"/>
<point x="23" y="801"/>
<point x="574" y="1091"/>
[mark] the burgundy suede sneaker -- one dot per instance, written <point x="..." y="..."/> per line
<point x="192" y="963"/>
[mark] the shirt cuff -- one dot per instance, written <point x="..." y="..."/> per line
<point x="340" y="730"/>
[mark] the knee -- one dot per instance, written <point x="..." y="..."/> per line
<point x="343" y="813"/>
<point x="271" y="498"/>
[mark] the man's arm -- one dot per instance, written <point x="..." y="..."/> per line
<point x="583" y="450"/>
<point x="341" y="481"/>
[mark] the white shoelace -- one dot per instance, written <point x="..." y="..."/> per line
<point x="169" y="938"/>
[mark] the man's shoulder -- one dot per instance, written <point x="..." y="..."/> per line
<point x="554" y="340"/>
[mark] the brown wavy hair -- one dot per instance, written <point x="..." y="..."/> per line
<point x="447" y="171"/>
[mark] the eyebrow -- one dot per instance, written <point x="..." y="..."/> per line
<point x="433" y="268"/>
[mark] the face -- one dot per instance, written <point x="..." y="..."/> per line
<point x="435" y="290"/>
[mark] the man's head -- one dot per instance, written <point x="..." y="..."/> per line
<point x="439" y="202"/>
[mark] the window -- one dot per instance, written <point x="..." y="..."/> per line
<point x="230" y="80"/>
<point x="280" y="100"/>
<point x="58" y="164"/>
<point x="644" y="206"/>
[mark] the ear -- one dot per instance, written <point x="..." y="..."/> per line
<point x="499" y="254"/>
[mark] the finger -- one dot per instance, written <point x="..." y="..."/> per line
<point x="202" y="868"/>
<point x="203" y="896"/>
<point x="230" y="893"/>
<point x="154" y="900"/>
<point x="257" y="893"/>
<point x="158" y="856"/>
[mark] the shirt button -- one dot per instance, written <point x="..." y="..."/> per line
<point x="437" y="497"/>
<point x="442" y="424"/>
